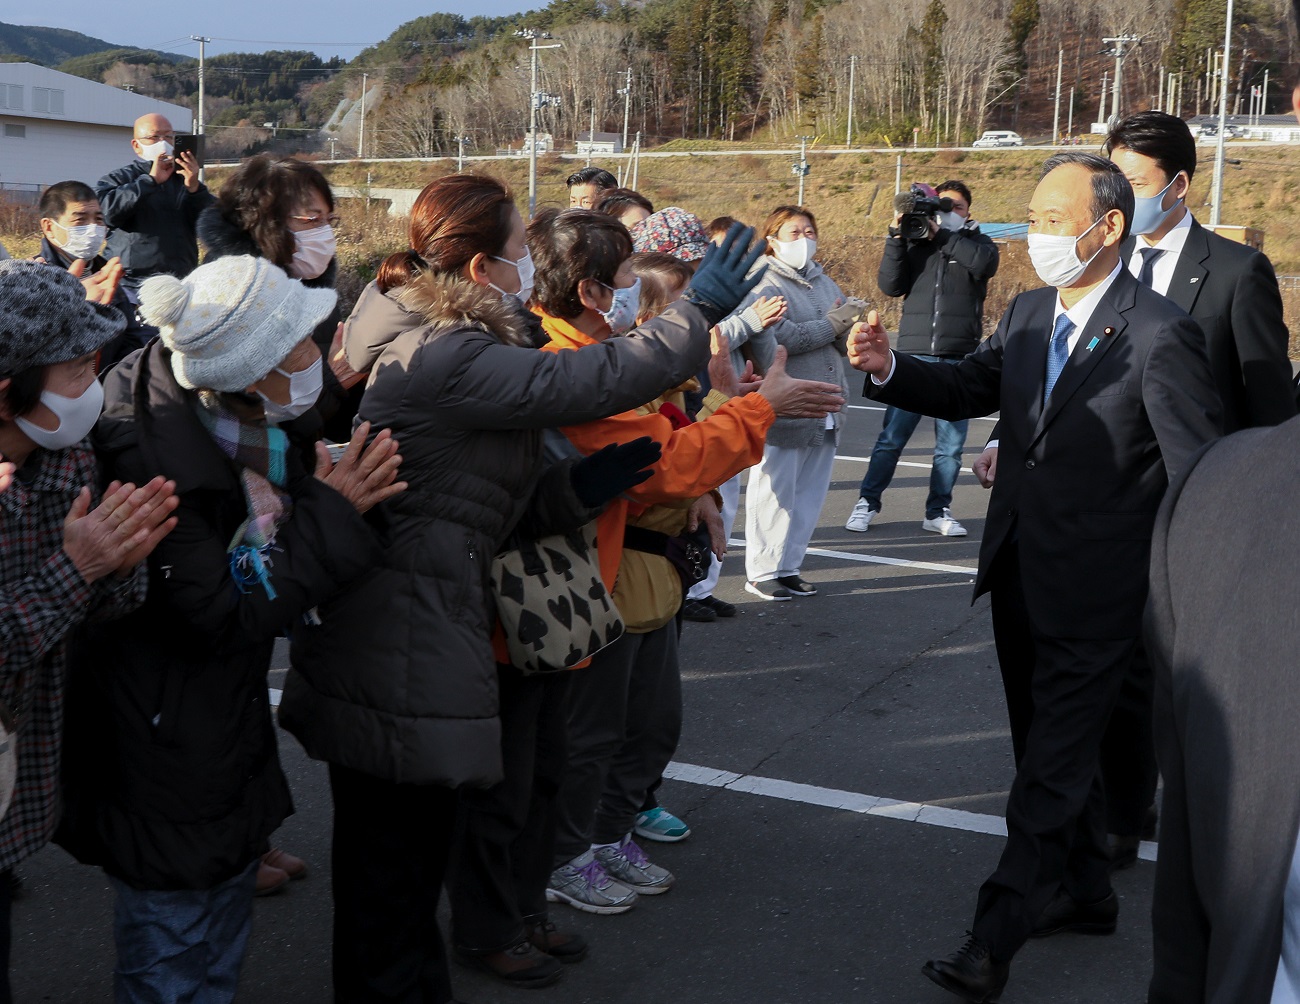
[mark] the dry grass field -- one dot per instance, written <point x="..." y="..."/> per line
<point x="852" y="195"/>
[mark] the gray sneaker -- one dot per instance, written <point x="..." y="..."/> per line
<point x="585" y="885"/>
<point x="629" y="865"/>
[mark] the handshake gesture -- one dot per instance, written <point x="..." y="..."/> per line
<point x="869" y="347"/>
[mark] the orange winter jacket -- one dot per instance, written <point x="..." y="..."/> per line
<point x="696" y="459"/>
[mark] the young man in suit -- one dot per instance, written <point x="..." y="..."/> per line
<point x="1223" y="635"/>
<point x="1105" y="393"/>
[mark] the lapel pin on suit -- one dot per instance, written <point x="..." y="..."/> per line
<point x="1195" y="278"/>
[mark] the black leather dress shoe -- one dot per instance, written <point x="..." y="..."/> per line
<point x="970" y="972"/>
<point x="1123" y="851"/>
<point x="1064" y="914"/>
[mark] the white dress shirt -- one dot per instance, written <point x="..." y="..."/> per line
<point x="1162" y="273"/>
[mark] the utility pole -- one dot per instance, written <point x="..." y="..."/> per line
<point x="534" y="102"/>
<point x="627" y="105"/>
<point x="1263" y="96"/>
<point x="334" y="148"/>
<point x="198" y="130"/>
<point x="460" y="153"/>
<point x="361" y="144"/>
<point x="1119" y="48"/>
<point x="591" y="135"/>
<point x="1056" y="115"/>
<point x="801" y="168"/>
<point x="1101" y="111"/>
<point x="853" y="66"/>
<point x="636" y="159"/>
<point x="1217" y="211"/>
<point x="898" y="174"/>
<point x="1069" y="127"/>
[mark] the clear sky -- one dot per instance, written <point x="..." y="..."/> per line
<point x="328" y="27"/>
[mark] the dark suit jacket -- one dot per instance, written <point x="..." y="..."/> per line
<point x="1223" y="631"/>
<point x="1231" y="292"/>
<point x="1082" y="479"/>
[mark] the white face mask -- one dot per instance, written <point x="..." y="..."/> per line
<point x="304" y="389"/>
<point x="621" y="316"/>
<point x="76" y="415"/>
<point x="1056" y="259"/>
<point x="796" y="254"/>
<point x="527" y="271"/>
<point x="313" y="250"/>
<point x="155" y="150"/>
<point x="83" y="242"/>
<point x="951" y="221"/>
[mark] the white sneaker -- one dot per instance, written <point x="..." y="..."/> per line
<point x="862" y="516"/>
<point x="945" y="525"/>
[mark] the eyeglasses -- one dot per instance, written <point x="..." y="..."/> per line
<point x="333" y="219"/>
<point x="168" y="136"/>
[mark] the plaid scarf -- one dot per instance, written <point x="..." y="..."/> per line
<point x="260" y="451"/>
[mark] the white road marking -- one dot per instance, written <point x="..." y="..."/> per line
<point x="901" y="463"/>
<point x="877" y="559"/>
<point x="876" y="407"/>
<point x="852" y="801"/>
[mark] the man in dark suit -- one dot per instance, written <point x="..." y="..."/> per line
<point x="1104" y="392"/>
<point x="1230" y="290"/>
<point x="1223" y="633"/>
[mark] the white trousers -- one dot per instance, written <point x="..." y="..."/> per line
<point x="782" y="505"/>
<point x="730" y="493"/>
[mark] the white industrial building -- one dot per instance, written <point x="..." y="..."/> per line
<point x="59" y="127"/>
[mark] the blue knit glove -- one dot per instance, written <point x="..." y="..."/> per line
<point x="720" y="283"/>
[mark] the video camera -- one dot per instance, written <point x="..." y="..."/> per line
<point x="919" y="205"/>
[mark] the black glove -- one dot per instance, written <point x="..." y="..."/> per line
<point x="609" y="472"/>
<point x="720" y="283"/>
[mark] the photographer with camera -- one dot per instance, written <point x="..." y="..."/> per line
<point x="936" y="257"/>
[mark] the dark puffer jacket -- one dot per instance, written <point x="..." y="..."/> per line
<point x="172" y="780"/>
<point x="399" y="680"/>
<point x="945" y="281"/>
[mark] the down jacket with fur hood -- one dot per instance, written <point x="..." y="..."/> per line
<point x="399" y="679"/>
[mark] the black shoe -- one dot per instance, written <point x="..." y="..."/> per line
<point x="797" y="586"/>
<point x="1123" y="851"/>
<point x="562" y="945"/>
<point x="720" y="607"/>
<point x="698" y="610"/>
<point x="521" y="965"/>
<point x="769" y="589"/>
<point x="1150" y="823"/>
<point x="1064" y="914"/>
<point x="970" y="972"/>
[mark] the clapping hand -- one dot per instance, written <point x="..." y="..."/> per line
<point x="364" y="475"/>
<point x="869" y="346"/>
<point x="122" y="530"/>
<point x="102" y="285"/>
<point x="7" y="471"/>
<point x="769" y="309"/>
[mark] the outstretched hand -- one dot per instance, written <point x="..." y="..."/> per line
<point x="791" y="398"/>
<point x="869" y="346"/>
<point x="102" y="285"/>
<point x="723" y="279"/>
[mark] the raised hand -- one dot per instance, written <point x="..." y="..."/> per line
<point x="723" y="280"/>
<point x="162" y="169"/>
<point x="722" y="374"/>
<point x="769" y="309"/>
<point x="122" y="530"/>
<point x="364" y="475"/>
<point x="7" y="472"/>
<point x="791" y="398"/>
<point x="986" y="466"/>
<point x="869" y="346"/>
<point x="188" y="165"/>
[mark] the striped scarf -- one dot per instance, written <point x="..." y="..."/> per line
<point x="260" y="451"/>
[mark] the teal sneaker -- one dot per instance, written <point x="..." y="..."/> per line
<point x="661" y="825"/>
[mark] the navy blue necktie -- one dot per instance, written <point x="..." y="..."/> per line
<point x="1149" y="258"/>
<point x="1058" y="352"/>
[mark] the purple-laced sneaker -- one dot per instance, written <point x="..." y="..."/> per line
<point x="628" y="864"/>
<point x="586" y="885"/>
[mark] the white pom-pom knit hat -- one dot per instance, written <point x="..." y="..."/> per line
<point x="231" y="321"/>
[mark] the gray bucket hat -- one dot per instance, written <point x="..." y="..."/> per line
<point x="45" y="317"/>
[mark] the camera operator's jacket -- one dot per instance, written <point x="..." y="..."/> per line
<point x="945" y="281"/>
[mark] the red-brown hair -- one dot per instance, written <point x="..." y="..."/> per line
<point x="453" y="219"/>
<point x="779" y="217"/>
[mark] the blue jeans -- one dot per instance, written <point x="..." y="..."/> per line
<point x="181" y="944"/>
<point x="949" y="438"/>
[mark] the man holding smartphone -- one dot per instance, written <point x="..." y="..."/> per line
<point x="151" y="206"/>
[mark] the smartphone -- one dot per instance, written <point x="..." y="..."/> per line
<point x="189" y="143"/>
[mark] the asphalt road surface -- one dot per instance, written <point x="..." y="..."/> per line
<point x="844" y="766"/>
